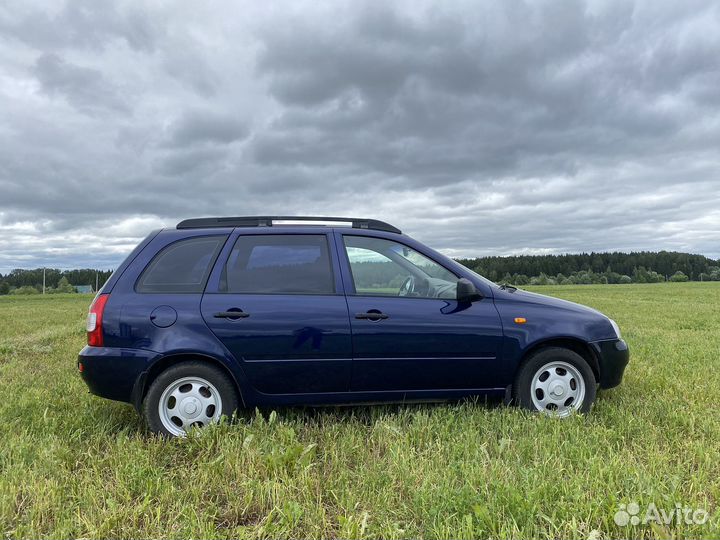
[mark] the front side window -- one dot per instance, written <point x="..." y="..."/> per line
<point x="384" y="268"/>
<point x="279" y="264"/>
<point x="181" y="267"/>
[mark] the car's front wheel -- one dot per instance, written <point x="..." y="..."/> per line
<point x="186" y="395"/>
<point x="555" y="381"/>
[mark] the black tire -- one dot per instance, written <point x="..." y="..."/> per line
<point x="194" y="368"/>
<point x="523" y="380"/>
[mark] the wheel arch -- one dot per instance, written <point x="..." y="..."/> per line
<point x="576" y="345"/>
<point x="147" y="377"/>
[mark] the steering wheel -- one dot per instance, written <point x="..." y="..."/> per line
<point x="408" y="286"/>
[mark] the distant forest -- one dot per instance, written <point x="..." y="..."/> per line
<point x="587" y="268"/>
<point x="30" y="281"/>
<point x="583" y="268"/>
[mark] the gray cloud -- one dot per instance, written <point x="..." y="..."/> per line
<point x="488" y="98"/>
<point x="84" y="88"/>
<point x="91" y="24"/>
<point x="207" y="127"/>
<point x="481" y="128"/>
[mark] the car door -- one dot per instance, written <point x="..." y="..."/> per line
<point x="408" y="330"/>
<point x="277" y="305"/>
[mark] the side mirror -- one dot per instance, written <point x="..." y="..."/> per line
<point x="466" y="291"/>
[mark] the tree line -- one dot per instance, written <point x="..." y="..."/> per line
<point x="582" y="268"/>
<point x="21" y="281"/>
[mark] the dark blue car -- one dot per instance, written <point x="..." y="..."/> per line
<point x="222" y="313"/>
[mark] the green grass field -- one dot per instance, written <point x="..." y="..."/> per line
<point x="73" y="465"/>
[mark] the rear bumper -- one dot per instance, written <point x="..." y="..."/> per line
<point x="112" y="373"/>
<point x="613" y="355"/>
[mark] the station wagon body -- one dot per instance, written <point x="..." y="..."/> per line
<point x="287" y="311"/>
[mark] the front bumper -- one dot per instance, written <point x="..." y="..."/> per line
<point x="613" y="355"/>
<point x="112" y="372"/>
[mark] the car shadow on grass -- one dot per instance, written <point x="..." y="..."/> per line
<point x="367" y="413"/>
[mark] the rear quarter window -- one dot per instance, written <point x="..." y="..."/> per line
<point x="181" y="267"/>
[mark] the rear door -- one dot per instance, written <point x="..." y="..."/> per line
<point x="277" y="305"/>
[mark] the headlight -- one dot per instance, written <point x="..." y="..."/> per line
<point x="616" y="328"/>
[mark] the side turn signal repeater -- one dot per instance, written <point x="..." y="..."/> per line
<point x="520" y="320"/>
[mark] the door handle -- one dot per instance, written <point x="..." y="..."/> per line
<point x="231" y="314"/>
<point x="371" y="315"/>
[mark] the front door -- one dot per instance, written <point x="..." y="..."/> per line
<point x="409" y="332"/>
<point x="280" y="313"/>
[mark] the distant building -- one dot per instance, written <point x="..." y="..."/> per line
<point x="84" y="289"/>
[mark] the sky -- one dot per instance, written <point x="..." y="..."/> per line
<point x="480" y="128"/>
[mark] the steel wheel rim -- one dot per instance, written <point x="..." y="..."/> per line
<point x="557" y="389"/>
<point x="189" y="402"/>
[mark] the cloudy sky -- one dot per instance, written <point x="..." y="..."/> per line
<point x="479" y="127"/>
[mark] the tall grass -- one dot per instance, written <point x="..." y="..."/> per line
<point x="73" y="465"/>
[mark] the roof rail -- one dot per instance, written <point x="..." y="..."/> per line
<point x="268" y="221"/>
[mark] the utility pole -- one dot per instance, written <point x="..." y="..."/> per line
<point x="96" y="281"/>
<point x="43" y="280"/>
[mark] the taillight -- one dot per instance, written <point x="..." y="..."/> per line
<point x="94" y="320"/>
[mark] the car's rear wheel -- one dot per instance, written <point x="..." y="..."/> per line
<point x="555" y="381"/>
<point x="187" y="395"/>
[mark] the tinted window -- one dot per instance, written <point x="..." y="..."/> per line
<point x="385" y="268"/>
<point x="181" y="267"/>
<point x="279" y="264"/>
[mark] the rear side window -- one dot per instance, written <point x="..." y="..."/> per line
<point x="181" y="267"/>
<point x="279" y="264"/>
